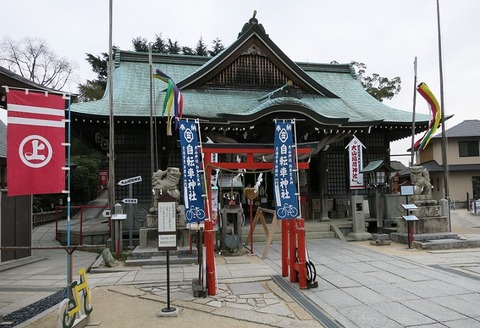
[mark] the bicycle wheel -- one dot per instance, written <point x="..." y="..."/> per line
<point x="293" y="212"/>
<point x="189" y="215"/>
<point x="281" y="212"/>
<point x="68" y="320"/>
<point x="87" y="306"/>
<point x="200" y="214"/>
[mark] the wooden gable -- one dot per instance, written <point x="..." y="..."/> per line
<point x="253" y="61"/>
<point x="252" y="69"/>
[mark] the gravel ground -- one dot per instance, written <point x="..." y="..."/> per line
<point x="34" y="309"/>
<point x="113" y="310"/>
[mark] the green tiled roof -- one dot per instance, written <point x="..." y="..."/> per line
<point x="377" y="165"/>
<point x="333" y="92"/>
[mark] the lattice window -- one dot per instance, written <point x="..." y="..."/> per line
<point x="252" y="69"/>
<point x="336" y="176"/>
<point x="128" y="165"/>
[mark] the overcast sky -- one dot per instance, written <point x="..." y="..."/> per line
<point x="386" y="35"/>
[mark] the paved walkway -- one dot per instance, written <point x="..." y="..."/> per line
<point x="359" y="285"/>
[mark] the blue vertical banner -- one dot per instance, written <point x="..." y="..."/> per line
<point x="286" y="200"/>
<point x="192" y="183"/>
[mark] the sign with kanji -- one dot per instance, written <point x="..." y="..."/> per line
<point x="355" y="159"/>
<point x="192" y="183"/>
<point x="35" y="143"/>
<point x="167" y="223"/>
<point x="129" y="181"/>
<point x="285" y="187"/>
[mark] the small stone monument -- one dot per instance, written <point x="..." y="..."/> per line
<point x="358" y="217"/>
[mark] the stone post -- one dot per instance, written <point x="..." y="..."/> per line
<point x="358" y="216"/>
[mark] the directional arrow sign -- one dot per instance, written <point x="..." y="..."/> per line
<point x="106" y="214"/>
<point x="130" y="181"/>
<point x="130" y="200"/>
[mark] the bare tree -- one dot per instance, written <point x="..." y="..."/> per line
<point x="33" y="59"/>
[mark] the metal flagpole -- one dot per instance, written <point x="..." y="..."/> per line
<point x="442" y="113"/>
<point x="412" y="151"/>
<point x="69" y="252"/>
<point x="152" y="159"/>
<point x="111" y="141"/>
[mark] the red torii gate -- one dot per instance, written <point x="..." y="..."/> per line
<point x="290" y="228"/>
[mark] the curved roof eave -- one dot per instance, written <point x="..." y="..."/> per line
<point x="304" y="110"/>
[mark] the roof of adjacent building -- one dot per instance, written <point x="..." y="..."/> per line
<point x="468" y="128"/>
<point x="398" y="166"/>
<point x="330" y="94"/>
<point x="433" y="166"/>
<point x="13" y="80"/>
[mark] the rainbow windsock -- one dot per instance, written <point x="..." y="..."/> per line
<point x="436" y="114"/>
<point x="174" y="96"/>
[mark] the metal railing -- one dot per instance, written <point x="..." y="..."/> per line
<point x="81" y="207"/>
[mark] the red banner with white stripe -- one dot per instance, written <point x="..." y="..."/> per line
<point x="35" y="137"/>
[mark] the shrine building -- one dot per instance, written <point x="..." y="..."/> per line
<point x="236" y="96"/>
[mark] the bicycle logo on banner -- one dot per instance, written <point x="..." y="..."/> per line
<point x="287" y="210"/>
<point x="195" y="213"/>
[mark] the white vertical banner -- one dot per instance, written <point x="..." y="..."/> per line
<point x="355" y="160"/>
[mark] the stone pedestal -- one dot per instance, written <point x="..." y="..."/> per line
<point x="148" y="237"/>
<point x="152" y="220"/>
<point x="425" y="225"/>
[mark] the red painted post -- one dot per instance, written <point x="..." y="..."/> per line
<point x="190" y="240"/>
<point x="302" y="256"/>
<point x="285" y="259"/>
<point x="209" y="238"/>
<point x="293" y="249"/>
<point x="251" y="226"/>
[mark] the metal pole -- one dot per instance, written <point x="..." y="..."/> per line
<point x="69" y="255"/>
<point x="168" y="308"/>
<point x="412" y="151"/>
<point x="442" y="112"/>
<point x="152" y="149"/>
<point x="111" y="140"/>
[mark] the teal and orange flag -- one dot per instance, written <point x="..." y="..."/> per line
<point x="434" y="122"/>
<point x="173" y="96"/>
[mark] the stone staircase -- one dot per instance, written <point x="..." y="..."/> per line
<point x="151" y="256"/>
<point x="313" y="230"/>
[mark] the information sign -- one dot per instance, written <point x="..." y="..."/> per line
<point x="167" y="225"/>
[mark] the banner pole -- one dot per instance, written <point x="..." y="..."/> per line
<point x="69" y="253"/>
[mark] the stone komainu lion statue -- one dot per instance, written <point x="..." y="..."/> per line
<point x="167" y="182"/>
<point x="420" y="178"/>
